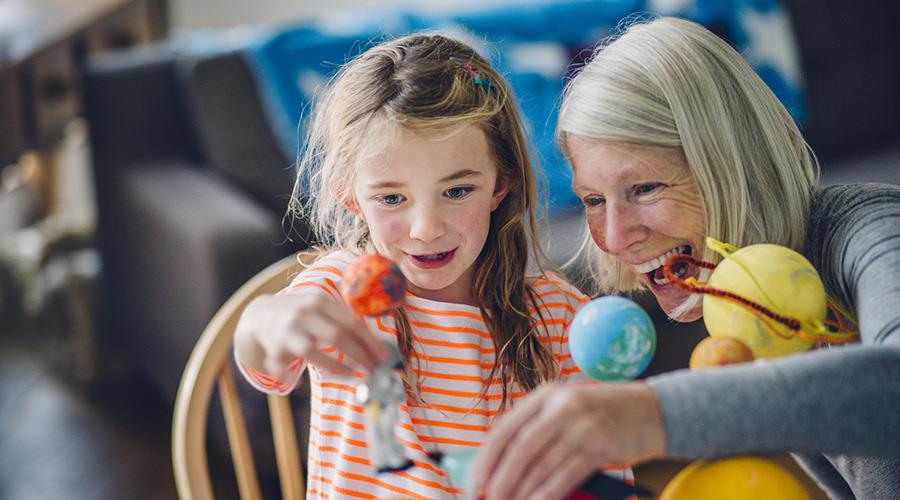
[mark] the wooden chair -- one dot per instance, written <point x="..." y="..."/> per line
<point x="210" y="365"/>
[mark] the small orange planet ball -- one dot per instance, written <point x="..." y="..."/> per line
<point x="719" y="351"/>
<point x="373" y="285"/>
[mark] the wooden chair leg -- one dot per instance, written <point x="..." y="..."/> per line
<point x="245" y="471"/>
<point x="290" y="470"/>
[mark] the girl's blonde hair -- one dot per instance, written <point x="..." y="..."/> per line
<point x="433" y="85"/>
<point x="672" y="83"/>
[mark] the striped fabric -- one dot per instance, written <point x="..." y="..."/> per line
<point x="454" y="356"/>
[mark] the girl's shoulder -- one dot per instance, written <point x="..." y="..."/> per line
<point x="337" y="261"/>
<point x="551" y="287"/>
<point x="321" y="272"/>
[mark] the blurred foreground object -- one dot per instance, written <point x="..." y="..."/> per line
<point x="738" y="478"/>
<point x="719" y="351"/>
<point x="373" y="285"/>
<point x="767" y="296"/>
<point x="612" y="338"/>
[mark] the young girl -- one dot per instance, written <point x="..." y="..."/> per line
<point x="416" y="152"/>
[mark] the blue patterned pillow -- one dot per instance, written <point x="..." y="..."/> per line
<point x="532" y="44"/>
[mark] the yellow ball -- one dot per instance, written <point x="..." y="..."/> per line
<point x="737" y="478"/>
<point x="776" y="277"/>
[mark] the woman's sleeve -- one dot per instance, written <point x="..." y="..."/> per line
<point x="843" y="400"/>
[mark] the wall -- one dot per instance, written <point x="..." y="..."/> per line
<point x="188" y="15"/>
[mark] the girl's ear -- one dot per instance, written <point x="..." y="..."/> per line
<point x="501" y="189"/>
<point x="351" y="205"/>
<point x="347" y="199"/>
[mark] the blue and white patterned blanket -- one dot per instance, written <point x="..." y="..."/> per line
<point x="534" y="44"/>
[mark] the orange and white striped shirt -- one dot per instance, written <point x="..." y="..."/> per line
<point x="455" y="354"/>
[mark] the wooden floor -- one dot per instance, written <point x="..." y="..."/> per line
<point x="57" y="441"/>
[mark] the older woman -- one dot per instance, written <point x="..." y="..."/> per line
<point x="672" y="137"/>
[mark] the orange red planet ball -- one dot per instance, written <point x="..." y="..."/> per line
<point x="373" y="285"/>
<point x="719" y="351"/>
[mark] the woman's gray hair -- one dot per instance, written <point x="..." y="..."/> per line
<point x="672" y="83"/>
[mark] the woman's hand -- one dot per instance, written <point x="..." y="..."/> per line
<point x="550" y="442"/>
<point x="275" y="330"/>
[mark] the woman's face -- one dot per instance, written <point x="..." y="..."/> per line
<point x="642" y="206"/>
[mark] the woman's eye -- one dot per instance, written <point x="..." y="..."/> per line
<point x="647" y="188"/>
<point x="390" y="199"/>
<point x="458" y="192"/>
<point x="593" y="201"/>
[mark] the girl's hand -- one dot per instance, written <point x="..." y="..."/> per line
<point x="275" y="330"/>
<point x="550" y="442"/>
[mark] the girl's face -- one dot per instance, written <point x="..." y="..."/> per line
<point x="428" y="203"/>
<point x="642" y="205"/>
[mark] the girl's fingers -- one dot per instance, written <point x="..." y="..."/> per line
<point x="326" y="363"/>
<point x="374" y="347"/>
<point x="564" y="479"/>
<point x="552" y="459"/>
<point x="323" y="329"/>
<point x="525" y="452"/>
<point x="499" y="438"/>
<point x="313" y="355"/>
<point x="277" y="366"/>
<point x="274" y="367"/>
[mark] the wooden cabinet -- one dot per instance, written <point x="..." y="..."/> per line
<point x="45" y="44"/>
<point x="50" y="97"/>
<point x="133" y="24"/>
<point x="12" y="133"/>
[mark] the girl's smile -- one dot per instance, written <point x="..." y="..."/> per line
<point x="432" y="261"/>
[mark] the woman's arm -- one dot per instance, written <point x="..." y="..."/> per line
<point x="842" y="400"/>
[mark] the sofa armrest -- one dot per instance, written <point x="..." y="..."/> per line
<point x="232" y="128"/>
<point x="180" y="241"/>
<point x="133" y="105"/>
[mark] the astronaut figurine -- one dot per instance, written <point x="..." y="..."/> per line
<point x="382" y="394"/>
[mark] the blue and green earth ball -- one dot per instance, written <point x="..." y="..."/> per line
<point x="612" y="338"/>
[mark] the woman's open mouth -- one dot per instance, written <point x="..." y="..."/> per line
<point x="432" y="261"/>
<point x="653" y="268"/>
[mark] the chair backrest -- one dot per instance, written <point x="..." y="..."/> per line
<point x="208" y="366"/>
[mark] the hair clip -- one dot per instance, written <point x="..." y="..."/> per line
<point x="479" y="80"/>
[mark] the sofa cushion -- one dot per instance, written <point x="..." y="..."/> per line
<point x="232" y="128"/>
<point x="174" y="253"/>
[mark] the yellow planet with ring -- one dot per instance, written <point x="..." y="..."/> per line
<point x="776" y="278"/>
<point x="735" y="478"/>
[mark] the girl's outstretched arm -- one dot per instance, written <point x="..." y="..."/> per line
<point x="276" y="330"/>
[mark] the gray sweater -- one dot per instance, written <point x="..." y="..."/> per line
<point x="836" y="408"/>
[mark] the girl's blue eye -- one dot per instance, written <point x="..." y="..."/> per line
<point x="458" y="192"/>
<point x="390" y="199"/>
<point x="647" y="188"/>
<point x="593" y="201"/>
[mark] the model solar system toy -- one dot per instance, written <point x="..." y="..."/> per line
<point x="374" y="286"/>
<point x="734" y="478"/>
<point x="768" y="298"/>
<point x="760" y="301"/>
<point x="612" y="338"/>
